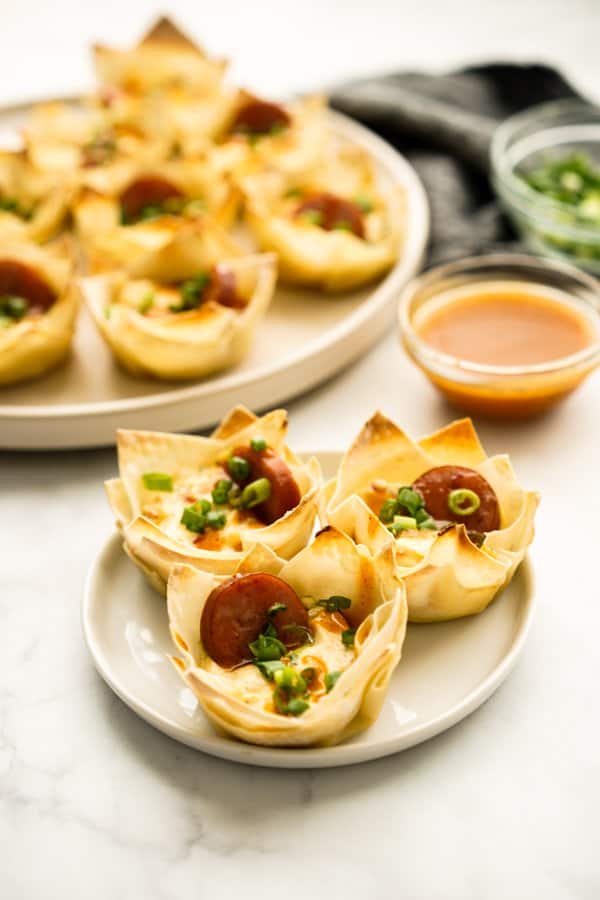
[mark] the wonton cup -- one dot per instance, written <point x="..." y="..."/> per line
<point x="446" y="574"/>
<point x="109" y="244"/>
<point x="38" y="343"/>
<point x="78" y="140"/>
<point x="333" y="260"/>
<point x="332" y="565"/>
<point x="189" y="344"/>
<point x="156" y="546"/>
<point x="34" y="203"/>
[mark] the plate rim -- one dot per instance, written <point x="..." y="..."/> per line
<point x="406" y="267"/>
<point x="316" y="757"/>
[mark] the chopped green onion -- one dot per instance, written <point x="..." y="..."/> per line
<point x="195" y="517"/>
<point x="146" y="303"/>
<point x="463" y="502"/>
<point x="476" y="537"/>
<point x="428" y="524"/>
<point x="402" y="523"/>
<point x="215" y="519"/>
<point x="293" y="707"/>
<point x="312" y="216"/>
<point x="290" y="680"/>
<point x="238" y="468"/>
<point x="364" y="202"/>
<point x="293" y="192"/>
<point x="301" y="631"/>
<point x="269" y="667"/>
<point x="13" y="307"/>
<point x="342" y="225"/>
<point x="235" y="496"/>
<point x="309" y="674"/>
<point x="157" y="481"/>
<point x="388" y="510"/>
<point x="220" y="492"/>
<point x="348" y="637"/>
<point x="335" y="603"/>
<point x="191" y="292"/>
<point x="258" y="444"/>
<point x="330" y="680"/>
<point x="266" y="648"/>
<point x="256" y="492"/>
<point x="410" y="500"/>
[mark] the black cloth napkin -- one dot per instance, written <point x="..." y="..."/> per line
<point x="444" y="125"/>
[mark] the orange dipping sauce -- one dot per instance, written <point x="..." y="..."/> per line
<point x="504" y="327"/>
<point x="501" y="326"/>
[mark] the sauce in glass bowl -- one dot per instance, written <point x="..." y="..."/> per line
<point x="503" y="335"/>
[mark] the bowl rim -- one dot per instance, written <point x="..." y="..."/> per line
<point x="515" y="189"/>
<point x="436" y="360"/>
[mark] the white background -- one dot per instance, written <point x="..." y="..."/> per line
<point x="96" y="805"/>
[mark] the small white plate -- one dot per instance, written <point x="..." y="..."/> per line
<point x="446" y="671"/>
<point x="305" y="338"/>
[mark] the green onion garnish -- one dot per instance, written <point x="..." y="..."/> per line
<point x="290" y="679"/>
<point x="157" y="481"/>
<point x="342" y="225"/>
<point x="275" y="608"/>
<point x="364" y="202"/>
<point x="348" y="637"/>
<point x="312" y="216"/>
<point x="191" y="291"/>
<point x="220" y="492"/>
<point x="146" y="303"/>
<point x="293" y="707"/>
<point x="330" y="680"/>
<point x="195" y="517"/>
<point x="215" y="519"/>
<point x="238" y="468"/>
<point x="258" y="444"/>
<point x="268" y="667"/>
<point x="402" y="523"/>
<point x="335" y="603"/>
<point x="267" y="647"/>
<point x="13" y="307"/>
<point x="463" y="502"/>
<point x="256" y="492"/>
<point x="410" y="500"/>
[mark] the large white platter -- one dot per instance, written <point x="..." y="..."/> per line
<point x="446" y="671"/>
<point x="305" y="338"/>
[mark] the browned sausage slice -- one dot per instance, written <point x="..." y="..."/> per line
<point x="260" y="117"/>
<point x="285" y="493"/>
<point x="436" y="485"/>
<point x="237" y="611"/>
<point x="149" y="190"/>
<point x="333" y="212"/>
<point x="17" y="279"/>
<point x="222" y="289"/>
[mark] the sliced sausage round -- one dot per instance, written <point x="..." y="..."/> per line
<point x="222" y="289"/>
<point x="436" y="485"/>
<point x="149" y="190"/>
<point x="237" y="612"/>
<point x="285" y="493"/>
<point x="333" y="212"/>
<point x="17" y="279"/>
<point x="260" y="117"/>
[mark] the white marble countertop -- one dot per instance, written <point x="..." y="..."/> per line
<point x="95" y="805"/>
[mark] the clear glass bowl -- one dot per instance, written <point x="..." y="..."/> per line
<point x="529" y="140"/>
<point x="511" y="392"/>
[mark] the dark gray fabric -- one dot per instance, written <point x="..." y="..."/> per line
<point x="444" y="125"/>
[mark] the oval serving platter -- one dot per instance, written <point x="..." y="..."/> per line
<point x="447" y="670"/>
<point x="305" y="338"/>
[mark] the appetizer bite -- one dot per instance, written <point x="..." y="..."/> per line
<point x="184" y="310"/>
<point x="291" y="653"/>
<point x="206" y="501"/>
<point x="461" y="521"/>
<point x="331" y="229"/>
<point x="123" y="214"/>
<point x="34" y="204"/>
<point x="165" y="78"/>
<point x="38" y="306"/>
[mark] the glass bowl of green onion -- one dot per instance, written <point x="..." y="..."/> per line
<point x="546" y="172"/>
